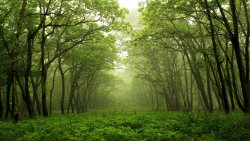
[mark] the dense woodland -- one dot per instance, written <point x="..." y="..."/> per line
<point x="60" y="55"/>
<point x="55" y="54"/>
<point x="101" y="66"/>
<point x="195" y="53"/>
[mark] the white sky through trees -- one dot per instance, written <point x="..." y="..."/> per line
<point x="129" y="4"/>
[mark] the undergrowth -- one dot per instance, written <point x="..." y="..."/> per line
<point x="130" y="126"/>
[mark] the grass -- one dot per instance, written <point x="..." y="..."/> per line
<point x="130" y="126"/>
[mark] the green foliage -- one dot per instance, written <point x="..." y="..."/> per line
<point x="130" y="126"/>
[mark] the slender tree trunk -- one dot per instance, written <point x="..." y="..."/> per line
<point x="198" y="79"/>
<point x="35" y="96"/>
<point x="44" y="73"/>
<point x="63" y="84"/>
<point x="74" y="82"/>
<point x="247" y="40"/>
<point x="216" y="86"/>
<point x="85" y="101"/>
<point x="234" y="38"/>
<point x="72" y="105"/>
<point x="223" y="87"/>
<point x="244" y="80"/>
<point x="90" y="87"/>
<point x="77" y="104"/>
<point x="152" y="97"/>
<point x="71" y="94"/>
<point x="45" y="66"/>
<point x="195" y="71"/>
<point x="8" y="89"/>
<point x="228" y="80"/>
<point x="187" y="99"/>
<point x="241" y="106"/>
<point x="44" y="78"/>
<point x="209" y="90"/>
<point x="191" y="92"/>
<point x="1" y="102"/>
<point x="157" y="101"/>
<point x="86" y="93"/>
<point x="51" y="91"/>
<point x="14" y="66"/>
<point x="27" y="75"/>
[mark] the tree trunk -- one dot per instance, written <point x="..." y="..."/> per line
<point x="236" y="94"/>
<point x="243" y="80"/>
<point x="198" y="79"/>
<point x="51" y="91"/>
<point x="234" y="38"/>
<point x="71" y="94"/>
<point x="152" y="97"/>
<point x="216" y="56"/>
<point x="45" y="66"/>
<point x="63" y="84"/>
<point x="77" y="100"/>
<point x="191" y="93"/>
<point x="14" y="66"/>
<point x="44" y="73"/>
<point x="195" y="71"/>
<point x="27" y="75"/>
<point x="209" y="89"/>
<point x="1" y="102"/>
<point x="186" y="93"/>
<point x="35" y="96"/>
<point x="44" y="78"/>
<point x="9" y="83"/>
<point x="228" y="80"/>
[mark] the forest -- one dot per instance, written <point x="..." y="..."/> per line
<point x="94" y="70"/>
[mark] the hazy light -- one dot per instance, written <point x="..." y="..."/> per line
<point x="130" y="4"/>
<point x="123" y="54"/>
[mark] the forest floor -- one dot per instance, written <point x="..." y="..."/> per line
<point x="130" y="126"/>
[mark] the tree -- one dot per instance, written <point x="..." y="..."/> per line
<point x="199" y="31"/>
<point x="38" y="46"/>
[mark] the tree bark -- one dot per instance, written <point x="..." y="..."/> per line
<point x="51" y="91"/>
<point x="8" y="89"/>
<point x="209" y="89"/>
<point x="236" y="94"/>
<point x="35" y="96"/>
<point x="198" y="79"/>
<point x="228" y="79"/>
<point x="63" y="84"/>
<point x="1" y="102"/>
<point x="28" y="101"/>
<point x="247" y="42"/>
<point x="14" y="63"/>
<point x="236" y="45"/>
<point x="216" y="56"/>
<point x="234" y="38"/>
<point x="43" y="72"/>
